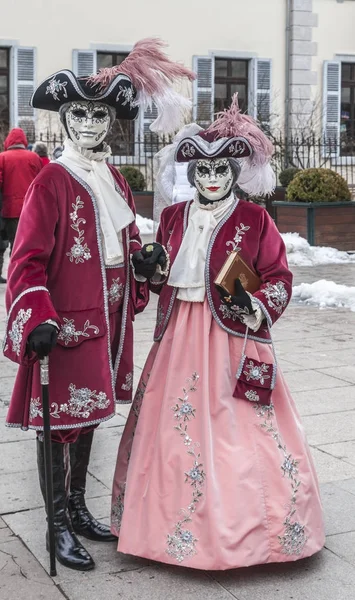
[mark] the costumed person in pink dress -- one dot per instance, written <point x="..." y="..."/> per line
<point x="72" y="291"/>
<point x="213" y="469"/>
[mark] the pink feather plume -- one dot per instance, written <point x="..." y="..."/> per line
<point x="148" y="67"/>
<point x="231" y="123"/>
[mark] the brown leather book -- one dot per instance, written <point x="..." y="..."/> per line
<point x="235" y="268"/>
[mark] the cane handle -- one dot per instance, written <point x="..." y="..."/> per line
<point x="44" y="370"/>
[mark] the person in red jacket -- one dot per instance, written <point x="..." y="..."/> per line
<point x="18" y="168"/>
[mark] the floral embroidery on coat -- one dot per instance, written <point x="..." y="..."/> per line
<point x="16" y="331"/>
<point x="294" y="537"/>
<point x="233" y="312"/>
<point x="79" y="251"/>
<point x="82" y="403"/>
<point x="240" y="231"/>
<point x="182" y="543"/>
<point x="68" y="331"/>
<point x="115" y="292"/>
<point x="129" y="382"/>
<point x="276" y="295"/>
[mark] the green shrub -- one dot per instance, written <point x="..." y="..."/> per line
<point x="287" y="175"/>
<point x="318" y="185"/>
<point x="134" y="178"/>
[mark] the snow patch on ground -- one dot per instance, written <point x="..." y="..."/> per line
<point x="301" y="254"/>
<point x="146" y="226"/>
<point x="325" y="294"/>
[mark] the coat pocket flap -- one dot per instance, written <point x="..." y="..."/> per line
<point x="77" y="327"/>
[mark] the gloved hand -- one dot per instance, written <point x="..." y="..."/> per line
<point x="240" y="299"/>
<point x="145" y="261"/>
<point x="42" y="339"/>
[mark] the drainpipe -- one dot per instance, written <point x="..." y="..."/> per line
<point x="287" y="79"/>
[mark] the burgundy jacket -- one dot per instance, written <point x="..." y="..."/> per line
<point x="18" y="168"/>
<point x="57" y="272"/>
<point x="248" y="228"/>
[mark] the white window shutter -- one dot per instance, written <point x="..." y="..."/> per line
<point x="203" y="90"/>
<point x="24" y="70"/>
<point x="84" y="62"/>
<point x="261" y="90"/>
<point x="331" y="107"/>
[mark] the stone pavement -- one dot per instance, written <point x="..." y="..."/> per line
<point x="316" y="350"/>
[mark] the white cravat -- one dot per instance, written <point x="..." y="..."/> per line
<point x="115" y="214"/>
<point x="188" y="270"/>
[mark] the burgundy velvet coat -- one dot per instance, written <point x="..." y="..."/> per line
<point x="247" y="227"/>
<point x="57" y="272"/>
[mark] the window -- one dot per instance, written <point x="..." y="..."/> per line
<point x="4" y="91"/>
<point x="347" y="109"/>
<point x="121" y="137"/>
<point x="231" y="76"/>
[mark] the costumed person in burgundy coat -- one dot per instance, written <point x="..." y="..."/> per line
<point x="213" y="469"/>
<point x="72" y="290"/>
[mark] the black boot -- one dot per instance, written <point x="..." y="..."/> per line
<point x="82" y="520"/>
<point x="69" y="551"/>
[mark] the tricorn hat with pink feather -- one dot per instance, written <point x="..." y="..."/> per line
<point x="234" y="135"/>
<point x="144" y="79"/>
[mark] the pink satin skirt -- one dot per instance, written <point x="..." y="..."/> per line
<point x="206" y="480"/>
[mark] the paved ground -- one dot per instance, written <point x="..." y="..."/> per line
<point x="316" y="349"/>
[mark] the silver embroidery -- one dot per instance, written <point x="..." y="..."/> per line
<point x="118" y="504"/>
<point x="252" y="395"/>
<point x="240" y="231"/>
<point x="160" y="315"/>
<point x="128" y="95"/>
<point x="55" y="86"/>
<point x="117" y="509"/>
<point x="68" y="331"/>
<point x="256" y="372"/>
<point x="16" y="331"/>
<point x="294" y="538"/>
<point x="188" y="151"/>
<point x="129" y="382"/>
<point x="233" y="312"/>
<point x="79" y="251"/>
<point x="182" y="543"/>
<point x="115" y="292"/>
<point x="83" y="402"/>
<point x="277" y="296"/>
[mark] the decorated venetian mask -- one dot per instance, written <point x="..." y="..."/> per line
<point x="88" y="123"/>
<point x="213" y="178"/>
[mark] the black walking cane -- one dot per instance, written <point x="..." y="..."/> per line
<point x="48" y="471"/>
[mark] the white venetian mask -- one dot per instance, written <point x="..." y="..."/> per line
<point x="88" y="123"/>
<point x="213" y="178"/>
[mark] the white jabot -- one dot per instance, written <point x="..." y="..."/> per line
<point x="114" y="212"/>
<point x="188" y="270"/>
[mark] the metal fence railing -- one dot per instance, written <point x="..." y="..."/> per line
<point x="302" y="151"/>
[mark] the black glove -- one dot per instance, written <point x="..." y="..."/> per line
<point x="240" y="302"/>
<point x="43" y="339"/>
<point x="145" y="261"/>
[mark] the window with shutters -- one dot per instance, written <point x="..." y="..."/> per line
<point x="218" y="78"/>
<point x="347" y="109"/>
<point x="230" y="76"/>
<point x="4" y="91"/>
<point x="122" y="136"/>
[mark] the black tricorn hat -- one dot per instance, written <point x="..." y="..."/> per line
<point x="63" y="86"/>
